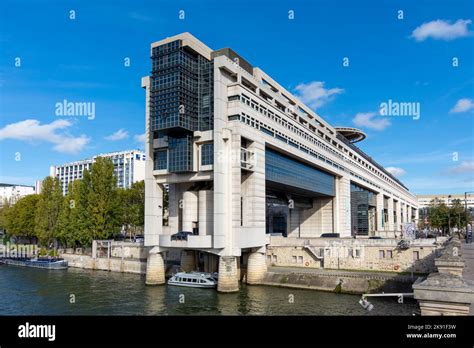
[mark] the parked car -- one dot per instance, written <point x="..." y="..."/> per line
<point x="182" y="235"/>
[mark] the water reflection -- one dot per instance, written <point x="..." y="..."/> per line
<point x="42" y="292"/>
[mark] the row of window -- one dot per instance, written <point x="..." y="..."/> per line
<point x="280" y="136"/>
<point x="256" y="106"/>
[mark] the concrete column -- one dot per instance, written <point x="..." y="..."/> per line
<point x="153" y="211"/>
<point x="379" y="212"/>
<point x="391" y="226"/>
<point x="228" y="274"/>
<point x="188" y="260"/>
<point x="206" y="212"/>
<point x="256" y="268"/>
<point x="342" y="206"/>
<point x="190" y="210"/>
<point x="255" y="189"/>
<point x="417" y="214"/>
<point x="155" y="269"/>
<point x="173" y="207"/>
<point x="398" y="212"/>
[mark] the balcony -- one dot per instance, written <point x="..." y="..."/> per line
<point x="247" y="159"/>
<point x="193" y="242"/>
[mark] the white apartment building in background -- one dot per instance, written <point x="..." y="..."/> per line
<point x="12" y="193"/>
<point x="425" y="201"/>
<point x="129" y="167"/>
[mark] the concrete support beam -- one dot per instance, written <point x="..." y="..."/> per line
<point x="379" y="212"/>
<point x="398" y="224"/>
<point x="153" y="210"/>
<point x="342" y="207"/>
<point x="256" y="268"/>
<point x="255" y="187"/>
<point x="190" y="210"/>
<point x="228" y="274"/>
<point x="391" y="226"/>
<point x="206" y="212"/>
<point x="155" y="269"/>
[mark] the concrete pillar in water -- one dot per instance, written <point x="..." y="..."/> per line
<point x="155" y="269"/>
<point x="228" y="274"/>
<point x="188" y="260"/>
<point x="256" y="268"/>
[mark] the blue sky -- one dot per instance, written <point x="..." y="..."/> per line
<point x="403" y="60"/>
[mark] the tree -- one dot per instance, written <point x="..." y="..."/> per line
<point x="102" y="200"/>
<point x="3" y="214"/>
<point x="20" y="218"/>
<point x="132" y="207"/>
<point x="81" y="213"/>
<point x="68" y="230"/>
<point x="47" y="210"/>
<point x="458" y="215"/>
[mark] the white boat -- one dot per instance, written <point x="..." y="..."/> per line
<point x="193" y="280"/>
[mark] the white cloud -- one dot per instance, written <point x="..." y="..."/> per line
<point x="442" y="30"/>
<point x="118" y="135"/>
<point x="371" y="121"/>
<point x="463" y="105"/>
<point x="32" y="131"/>
<point x="464" y="167"/>
<point x="315" y="95"/>
<point x="396" y="171"/>
<point x="140" y="138"/>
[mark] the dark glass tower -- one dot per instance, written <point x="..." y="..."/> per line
<point x="181" y="100"/>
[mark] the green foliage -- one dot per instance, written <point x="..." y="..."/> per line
<point x="441" y="216"/>
<point x="132" y="208"/>
<point x="94" y="208"/>
<point x="3" y="214"/>
<point x="20" y="218"/>
<point x="47" y="210"/>
<point x="103" y="205"/>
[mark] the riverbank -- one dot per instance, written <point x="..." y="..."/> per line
<point x="112" y="264"/>
<point x="339" y="281"/>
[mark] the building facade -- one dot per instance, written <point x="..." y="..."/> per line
<point x="129" y="167"/>
<point x="11" y="193"/>
<point x="244" y="159"/>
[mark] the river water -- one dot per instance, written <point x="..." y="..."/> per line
<point x="29" y="291"/>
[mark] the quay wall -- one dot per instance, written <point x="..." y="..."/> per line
<point x="381" y="255"/>
<point x="112" y="264"/>
<point x="340" y="282"/>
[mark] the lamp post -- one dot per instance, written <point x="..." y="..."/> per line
<point x="465" y="210"/>
<point x="449" y="218"/>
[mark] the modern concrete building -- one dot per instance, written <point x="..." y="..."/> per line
<point x="129" y="167"/>
<point x="245" y="159"/>
<point x="12" y="193"/>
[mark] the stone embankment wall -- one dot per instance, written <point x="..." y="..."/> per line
<point x="353" y="254"/>
<point x="106" y="264"/>
<point x="340" y="282"/>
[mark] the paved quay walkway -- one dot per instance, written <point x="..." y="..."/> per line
<point x="467" y="253"/>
